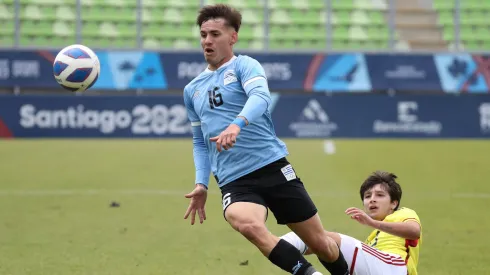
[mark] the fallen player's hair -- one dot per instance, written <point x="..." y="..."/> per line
<point x="388" y="181"/>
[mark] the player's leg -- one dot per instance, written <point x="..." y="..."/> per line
<point x="248" y="219"/>
<point x="361" y="259"/>
<point x="292" y="205"/>
<point x="324" y="246"/>
<point x="378" y="262"/>
<point x="245" y="212"/>
<point x="311" y="231"/>
<point x="348" y="247"/>
<point x="365" y="260"/>
<point x="297" y="242"/>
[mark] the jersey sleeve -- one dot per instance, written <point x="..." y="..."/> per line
<point x="404" y="215"/>
<point x="254" y="83"/>
<point x="200" y="151"/>
<point x="191" y="113"/>
<point x="252" y="75"/>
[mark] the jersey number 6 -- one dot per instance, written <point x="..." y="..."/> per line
<point x="215" y="99"/>
<point x="226" y="200"/>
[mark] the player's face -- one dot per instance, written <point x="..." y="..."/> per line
<point x="217" y="40"/>
<point x="377" y="202"/>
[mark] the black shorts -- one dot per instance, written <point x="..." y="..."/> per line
<point x="276" y="187"/>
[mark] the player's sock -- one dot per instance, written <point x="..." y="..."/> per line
<point x="289" y="259"/>
<point x="338" y="267"/>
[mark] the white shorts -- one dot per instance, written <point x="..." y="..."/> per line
<point x="365" y="260"/>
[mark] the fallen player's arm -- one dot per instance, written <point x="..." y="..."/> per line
<point x="409" y="229"/>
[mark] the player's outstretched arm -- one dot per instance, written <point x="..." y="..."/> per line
<point x="201" y="156"/>
<point x="203" y="168"/>
<point x="409" y="229"/>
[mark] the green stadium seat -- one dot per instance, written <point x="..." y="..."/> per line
<point x="376" y="17"/>
<point x="347" y="17"/>
<point x="473" y="22"/>
<point x="6" y="12"/>
<point x="183" y="44"/>
<point x="360" y="17"/>
<point x="7" y="40"/>
<point x="171" y="23"/>
<point x="443" y="4"/>
<point x="253" y="16"/>
<point x="281" y="44"/>
<point x="364" y="4"/>
<point x="65" y="13"/>
<point x="477" y="45"/>
<point x="63" y="29"/>
<point x="7" y="28"/>
<point x="342" y="5"/>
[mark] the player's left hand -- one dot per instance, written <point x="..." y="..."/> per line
<point x="360" y="216"/>
<point x="227" y="138"/>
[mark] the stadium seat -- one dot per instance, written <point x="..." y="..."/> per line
<point x="171" y="23"/>
<point x="7" y="30"/>
<point x="353" y="22"/>
<point x="473" y="22"/>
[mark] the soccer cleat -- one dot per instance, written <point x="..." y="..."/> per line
<point x="317" y="273"/>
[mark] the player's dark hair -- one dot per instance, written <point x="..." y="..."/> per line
<point x="388" y="180"/>
<point x="231" y="16"/>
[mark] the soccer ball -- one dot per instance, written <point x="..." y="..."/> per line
<point x="76" y="68"/>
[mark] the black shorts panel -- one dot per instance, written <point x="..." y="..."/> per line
<point x="287" y="199"/>
<point x="289" y="202"/>
<point x="240" y="191"/>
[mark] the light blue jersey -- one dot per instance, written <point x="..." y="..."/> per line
<point x="213" y="100"/>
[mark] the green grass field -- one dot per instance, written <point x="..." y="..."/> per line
<point x="55" y="196"/>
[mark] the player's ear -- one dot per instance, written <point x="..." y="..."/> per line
<point x="394" y="205"/>
<point x="234" y="38"/>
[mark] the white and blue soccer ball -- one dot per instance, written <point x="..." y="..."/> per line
<point x="76" y="68"/>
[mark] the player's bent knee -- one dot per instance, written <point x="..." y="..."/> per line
<point x="325" y="246"/>
<point x="315" y="237"/>
<point x="253" y="231"/>
<point x="335" y="236"/>
<point x="248" y="219"/>
<point x="320" y="243"/>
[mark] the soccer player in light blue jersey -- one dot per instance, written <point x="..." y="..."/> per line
<point x="234" y="138"/>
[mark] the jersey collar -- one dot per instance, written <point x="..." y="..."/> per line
<point x="222" y="66"/>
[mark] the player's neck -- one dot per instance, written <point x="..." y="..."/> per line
<point x="221" y="63"/>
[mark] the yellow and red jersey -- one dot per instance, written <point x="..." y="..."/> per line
<point x="407" y="249"/>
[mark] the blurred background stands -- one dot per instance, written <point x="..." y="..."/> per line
<point x="341" y="25"/>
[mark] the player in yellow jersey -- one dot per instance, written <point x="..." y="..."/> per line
<point x="393" y="246"/>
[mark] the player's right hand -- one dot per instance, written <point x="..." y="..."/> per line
<point x="198" y="198"/>
<point x="227" y="138"/>
<point x="360" y="216"/>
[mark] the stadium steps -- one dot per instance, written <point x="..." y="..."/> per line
<point x="417" y="24"/>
